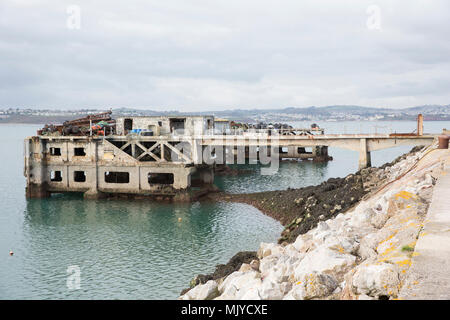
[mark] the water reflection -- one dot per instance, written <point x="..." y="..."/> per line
<point x="129" y="249"/>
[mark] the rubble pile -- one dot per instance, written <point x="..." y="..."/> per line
<point x="96" y="124"/>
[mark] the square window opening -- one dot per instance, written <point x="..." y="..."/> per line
<point x="79" y="152"/>
<point x="79" y="176"/>
<point x="55" y="176"/>
<point x="117" y="177"/>
<point x="55" y="151"/>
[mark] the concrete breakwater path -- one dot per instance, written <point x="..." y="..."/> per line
<point x="429" y="275"/>
<point x="391" y="245"/>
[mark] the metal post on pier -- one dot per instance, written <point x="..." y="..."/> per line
<point x="420" y="125"/>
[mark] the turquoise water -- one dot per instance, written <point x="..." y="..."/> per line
<point x="134" y="249"/>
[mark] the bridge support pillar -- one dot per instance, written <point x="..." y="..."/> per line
<point x="320" y="153"/>
<point x="182" y="179"/>
<point x="364" y="155"/>
<point x="206" y="175"/>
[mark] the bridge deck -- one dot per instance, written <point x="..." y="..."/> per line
<point x="247" y="135"/>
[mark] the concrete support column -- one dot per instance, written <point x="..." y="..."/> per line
<point x="364" y="155"/>
<point x="36" y="170"/>
<point x="182" y="179"/>
<point x="420" y="125"/>
<point x="33" y="190"/>
<point x="206" y="175"/>
<point x="317" y="151"/>
<point x="40" y="163"/>
<point x="93" y="192"/>
<point x="133" y="150"/>
<point x="162" y="147"/>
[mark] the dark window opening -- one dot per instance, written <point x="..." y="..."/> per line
<point x="177" y="124"/>
<point x="128" y="124"/>
<point x="301" y="150"/>
<point x="160" y="123"/>
<point x="79" y="152"/>
<point x="117" y="177"/>
<point x="55" y="151"/>
<point x="160" y="178"/>
<point x="283" y="150"/>
<point x="79" y="176"/>
<point x="55" y="176"/>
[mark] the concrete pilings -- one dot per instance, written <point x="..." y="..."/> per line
<point x="364" y="155"/>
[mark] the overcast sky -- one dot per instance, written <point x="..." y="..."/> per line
<point x="192" y="55"/>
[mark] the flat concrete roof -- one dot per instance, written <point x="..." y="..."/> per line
<point x="167" y="116"/>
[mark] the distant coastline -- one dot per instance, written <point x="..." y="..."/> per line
<point x="60" y="119"/>
<point x="287" y="114"/>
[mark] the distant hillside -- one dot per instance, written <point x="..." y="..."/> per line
<point x="444" y="109"/>
<point x="335" y="113"/>
<point x="339" y="112"/>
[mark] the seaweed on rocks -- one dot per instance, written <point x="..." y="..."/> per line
<point x="223" y="270"/>
<point x="299" y="210"/>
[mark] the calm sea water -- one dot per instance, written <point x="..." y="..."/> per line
<point x="139" y="249"/>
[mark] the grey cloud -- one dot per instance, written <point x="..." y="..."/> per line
<point x="210" y="54"/>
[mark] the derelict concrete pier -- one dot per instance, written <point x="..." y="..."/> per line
<point x="165" y="156"/>
<point x="157" y="166"/>
<point x="96" y="166"/>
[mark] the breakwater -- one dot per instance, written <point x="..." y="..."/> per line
<point x="361" y="253"/>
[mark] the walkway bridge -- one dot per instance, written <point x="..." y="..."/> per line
<point x="149" y="148"/>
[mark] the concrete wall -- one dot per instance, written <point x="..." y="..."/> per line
<point x="221" y="127"/>
<point x="193" y="124"/>
<point x="101" y="157"/>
